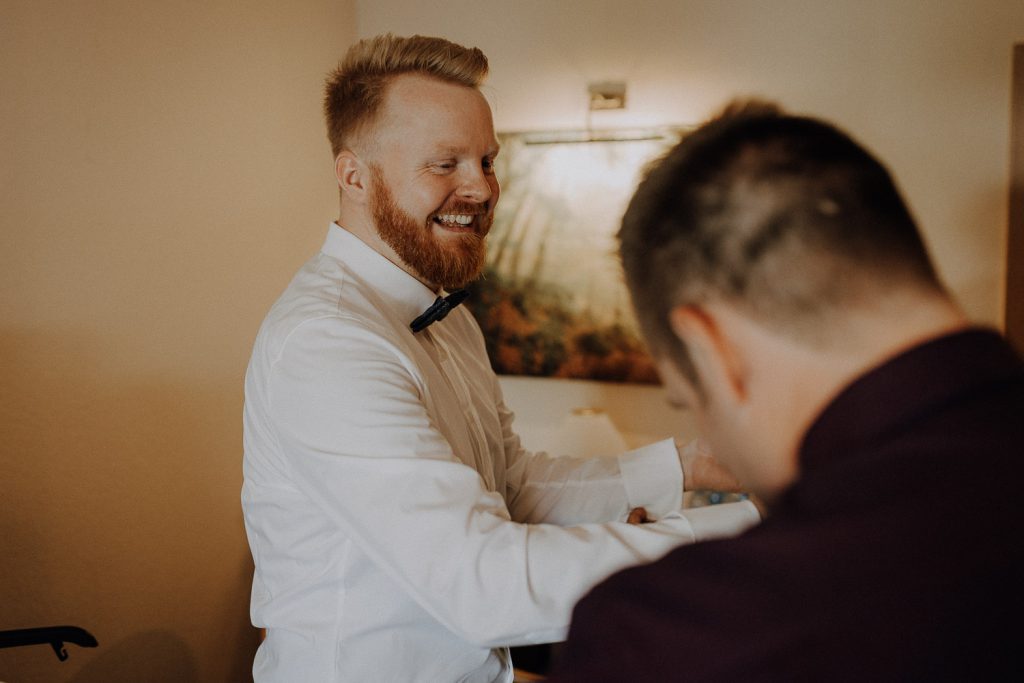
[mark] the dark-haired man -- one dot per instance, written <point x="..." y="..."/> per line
<point x="399" y="531"/>
<point x="784" y="287"/>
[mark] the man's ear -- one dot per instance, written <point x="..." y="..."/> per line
<point x="353" y="175"/>
<point x="712" y="349"/>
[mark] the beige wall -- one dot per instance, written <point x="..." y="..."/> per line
<point x="164" y="170"/>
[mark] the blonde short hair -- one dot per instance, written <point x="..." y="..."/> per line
<point x="355" y="89"/>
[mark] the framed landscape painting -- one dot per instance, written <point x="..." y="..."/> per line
<point x="552" y="301"/>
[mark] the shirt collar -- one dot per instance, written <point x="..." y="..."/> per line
<point x="404" y="294"/>
<point x="906" y="387"/>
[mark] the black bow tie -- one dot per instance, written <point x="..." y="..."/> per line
<point x="439" y="309"/>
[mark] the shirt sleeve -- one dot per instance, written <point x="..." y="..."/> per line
<point x="566" y="490"/>
<point x="563" y="490"/>
<point x="347" y="410"/>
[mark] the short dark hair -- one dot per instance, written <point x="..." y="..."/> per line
<point x="355" y="90"/>
<point x="783" y="216"/>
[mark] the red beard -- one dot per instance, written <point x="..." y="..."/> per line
<point x="451" y="262"/>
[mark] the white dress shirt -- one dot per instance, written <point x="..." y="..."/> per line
<point x="399" y="531"/>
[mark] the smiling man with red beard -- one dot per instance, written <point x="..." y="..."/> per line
<point x="422" y="189"/>
<point x="399" y="531"/>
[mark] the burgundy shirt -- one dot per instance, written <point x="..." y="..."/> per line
<point x="897" y="555"/>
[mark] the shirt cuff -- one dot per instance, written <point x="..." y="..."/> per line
<point x="653" y="478"/>
<point x="722" y="521"/>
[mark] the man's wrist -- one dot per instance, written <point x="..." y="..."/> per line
<point x="686" y="452"/>
<point x="701" y="470"/>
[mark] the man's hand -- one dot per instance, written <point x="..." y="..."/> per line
<point x="702" y="471"/>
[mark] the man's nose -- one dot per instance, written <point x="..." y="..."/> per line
<point x="475" y="187"/>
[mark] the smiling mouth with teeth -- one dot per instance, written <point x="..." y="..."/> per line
<point x="455" y="221"/>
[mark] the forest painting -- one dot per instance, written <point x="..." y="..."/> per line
<point x="552" y="301"/>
